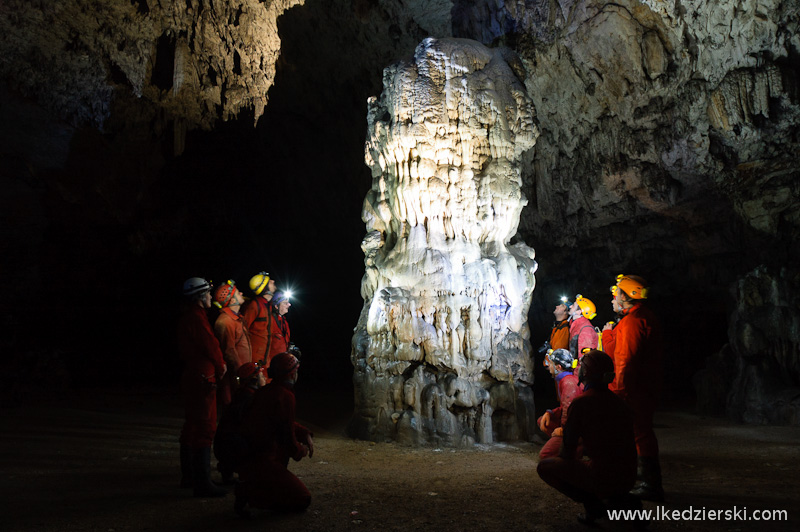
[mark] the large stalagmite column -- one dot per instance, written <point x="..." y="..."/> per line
<point x="441" y="352"/>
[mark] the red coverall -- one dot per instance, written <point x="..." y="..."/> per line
<point x="603" y="424"/>
<point x="567" y="388"/>
<point x="270" y="427"/>
<point x="638" y="351"/>
<point x="234" y="340"/>
<point x="587" y="337"/>
<point x="258" y="319"/>
<point x="279" y="337"/>
<point x="607" y="339"/>
<point x="203" y="364"/>
<point x="559" y="336"/>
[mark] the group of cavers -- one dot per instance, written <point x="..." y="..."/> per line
<point x="602" y="450"/>
<point x="238" y="384"/>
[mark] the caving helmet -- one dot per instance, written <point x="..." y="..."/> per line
<point x="248" y="370"/>
<point x="596" y="366"/>
<point x="259" y="282"/>
<point x="563" y="358"/>
<point x="633" y="285"/>
<point x="195" y="286"/>
<point x="588" y="309"/>
<point x="281" y="365"/>
<point x="224" y="294"/>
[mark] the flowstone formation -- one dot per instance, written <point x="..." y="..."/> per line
<point x="441" y="352"/>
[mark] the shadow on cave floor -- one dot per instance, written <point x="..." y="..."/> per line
<point x="108" y="460"/>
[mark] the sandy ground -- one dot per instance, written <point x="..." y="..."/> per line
<point x="109" y="462"/>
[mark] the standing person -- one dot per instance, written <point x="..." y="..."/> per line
<point x="600" y="427"/>
<point x="561" y="365"/>
<point x="270" y="426"/>
<point x="638" y="352"/>
<point x="204" y="367"/>
<point x="258" y="316"/>
<point x="583" y="336"/>
<point x="234" y="339"/>
<point x="559" y="336"/>
<point x="280" y="335"/>
<point x="606" y="342"/>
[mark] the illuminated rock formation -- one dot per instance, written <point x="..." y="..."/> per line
<point x="441" y="351"/>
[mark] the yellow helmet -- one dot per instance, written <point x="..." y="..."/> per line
<point x="259" y="282"/>
<point x="588" y="309"/>
<point x="633" y="285"/>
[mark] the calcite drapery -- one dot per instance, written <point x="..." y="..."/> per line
<point x="441" y="352"/>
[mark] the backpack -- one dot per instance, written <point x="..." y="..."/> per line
<point x="573" y="342"/>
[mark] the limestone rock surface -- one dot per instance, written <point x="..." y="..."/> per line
<point x="441" y="351"/>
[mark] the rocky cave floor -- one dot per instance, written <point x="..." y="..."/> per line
<point x="108" y="461"/>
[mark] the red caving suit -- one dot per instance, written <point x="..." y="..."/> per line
<point x="279" y="337"/>
<point x="258" y="319"/>
<point x="586" y="337"/>
<point x="234" y="340"/>
<point x="270" y="427"/>
<point x="638" y="353"/>
<point x="203" y="364"/>
<point x="603" y="424"/>
<point x="567" y="388"/>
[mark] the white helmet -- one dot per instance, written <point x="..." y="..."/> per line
<point x="195" y="286"/>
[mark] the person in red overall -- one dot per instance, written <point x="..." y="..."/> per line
<point x="258" y="316"/>
<point x="599" y="427"/>
<point x="203" y="369"/>
<point x="270" y="428"/>
<point x="560" y="364"/>
<point x="638" y="351"/>
<point x="583" y="336"/>
<point x="230" y="447"/>
<point x="280" y="335"/>
<point x="234" y="339"/>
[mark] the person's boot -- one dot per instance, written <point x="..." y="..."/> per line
<point x="594" y="509"/>
<point x="201" y="469"/>
<point x="650" y="488"/>
<point x="186" y="467"/>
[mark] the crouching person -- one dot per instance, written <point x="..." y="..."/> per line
<point x="561" y="364"/>
<point x="230" y="447"/>
<point x="270" y="428"/>
<point x="604" y="424"/>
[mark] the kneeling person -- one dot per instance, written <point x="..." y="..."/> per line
<point x="604" y="423"/>
<point x="561" y="364"/>
<point x="270" y="427"/>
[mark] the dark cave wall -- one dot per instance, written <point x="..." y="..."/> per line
<point x="123" y="180"/>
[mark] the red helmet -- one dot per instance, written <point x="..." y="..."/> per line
<point x="282" y="364"/>
<point x="596" y="366"/>
<point x="224" y="293"/>
<point x="248" y="370"/>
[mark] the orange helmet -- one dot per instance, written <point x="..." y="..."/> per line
<point x="588" y="309"/>
<point x="224" y="293"/>
<point x="633" y="285"/>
